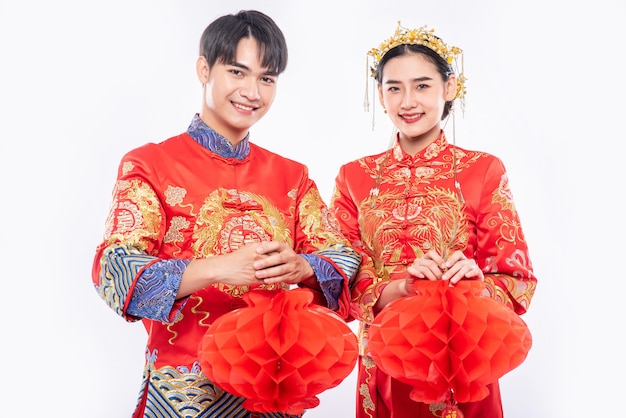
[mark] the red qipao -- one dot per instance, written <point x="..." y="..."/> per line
<point x="448" y="340"/>
<point x="279" y="352"/>
<point x="395" y="207"/>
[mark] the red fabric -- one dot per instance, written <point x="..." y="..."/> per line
<point x="448" y="338"/>
<point x="395" y="207"/>
<point x="383" y="405"/>
<point x="279" y="352"/>
<point x="176" y="199"/>
<point x="245" y="201"/>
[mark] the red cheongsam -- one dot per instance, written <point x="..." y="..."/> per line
<point x="395" y="207"/>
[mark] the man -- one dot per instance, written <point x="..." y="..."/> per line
<point x="202" y="218"/>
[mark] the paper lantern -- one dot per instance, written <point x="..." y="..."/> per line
<point x="279" y="352"/>
<point x="448" y="340"/>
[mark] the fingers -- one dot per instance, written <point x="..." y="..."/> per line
<point x="428" y="267"/>
<point x="280" y="263"/>
<point x="425" y="269"/>
<point x="464" y="269"/>
<point x="273" y="253"/>
<point x="409" y="288"/>
<point x="457" y="267"/>
<point x="434" y="256"/>
<point x="453" y="259"/>
<point x="270" y="247"/>
<point x="291" y="273"/>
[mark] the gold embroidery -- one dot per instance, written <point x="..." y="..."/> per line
<point x="127" y="167"/>
<point x="135" y="215"/>
<point x="433" y="217"/>
<point x="229" y="219"/>
<point x="174" y="195"/>
<point x="510" y="230"/>
<point x="436" y="408"/>
<point x="239" y="291"/>
<point x="503" y="195"/>
<point x="317" y="222"/>
<point x="170" y="327"/>
<point x="206" y="315"/>
<point x="173" y="234"/>
<point x="367" y="403"/>
<point x="518" y="293"/>
<point x="185" y="392"/>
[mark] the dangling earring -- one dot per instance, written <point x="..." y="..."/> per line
<point x="366" y="99"/>
<point x="373" y="105"/>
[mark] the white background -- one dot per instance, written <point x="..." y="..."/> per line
<point x="83" y="82"/>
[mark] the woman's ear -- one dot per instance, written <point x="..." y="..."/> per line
<point x="380" y="95"/>
<point x="450" y="89"/>
<point x="202" y="70"/>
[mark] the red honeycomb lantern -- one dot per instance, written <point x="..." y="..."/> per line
<point x="448" y="340"/>
<point x="279" y="352"/>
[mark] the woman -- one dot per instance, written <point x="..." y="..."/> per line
<point x="426" y="210"/>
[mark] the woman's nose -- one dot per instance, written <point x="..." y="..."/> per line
<point x="409" y="100"/>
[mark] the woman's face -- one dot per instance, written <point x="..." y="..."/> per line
<point x="414" y="95"/>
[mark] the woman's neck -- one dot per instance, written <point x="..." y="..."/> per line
<point x="413" y="145"/>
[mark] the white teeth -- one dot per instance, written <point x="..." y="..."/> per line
<point x="242" y="107"/>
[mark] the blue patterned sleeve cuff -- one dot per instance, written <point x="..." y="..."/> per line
<point x="156" y="289"/>
<point x="329" y="279"/>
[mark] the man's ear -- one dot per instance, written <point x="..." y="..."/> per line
<point x="202" y="70"/>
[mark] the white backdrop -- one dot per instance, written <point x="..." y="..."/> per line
<point x="83" y="82"/>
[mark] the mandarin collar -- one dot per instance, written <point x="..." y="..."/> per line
<point x="430" y="152"/>
<point x="206" y="136"/>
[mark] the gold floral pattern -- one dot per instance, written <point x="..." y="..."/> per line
<point x="135" y="215"/>
<point x="395" y="207"/>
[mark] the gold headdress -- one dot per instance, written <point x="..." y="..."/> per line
<point x="420" y="36"/>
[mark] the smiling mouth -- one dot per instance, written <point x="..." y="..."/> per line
<point x="412" y="117"/>
<point x="244" y="107"/>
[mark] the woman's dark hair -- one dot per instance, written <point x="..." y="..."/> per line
<point x="219" y="40"/>
<point x="444" y="69"/>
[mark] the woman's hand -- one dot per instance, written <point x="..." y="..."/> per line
<point x="457" y="267"/>
<point x="429" y="267"/>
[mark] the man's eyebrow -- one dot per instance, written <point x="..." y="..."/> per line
<point x="246" y="68"/>
<point x="242" y="66"/>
